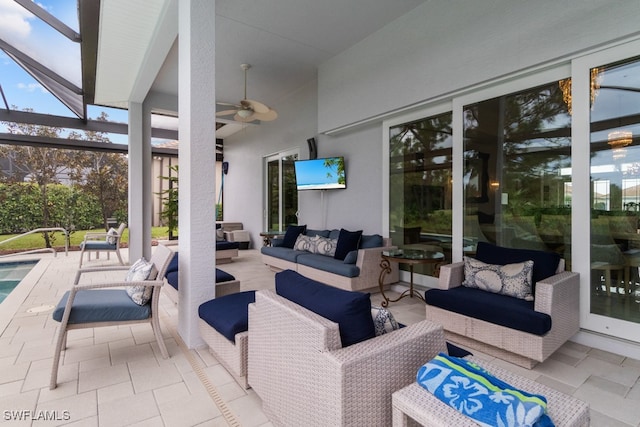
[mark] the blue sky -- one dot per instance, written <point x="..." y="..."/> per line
<point x="315" y="172"/>
<point x="24" y="31"/>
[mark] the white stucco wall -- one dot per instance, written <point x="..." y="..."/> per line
<point x="246" y="149"/>
<point x="445" y="46"/>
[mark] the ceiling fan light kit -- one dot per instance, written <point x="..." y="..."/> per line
<point x="249" y="110"/>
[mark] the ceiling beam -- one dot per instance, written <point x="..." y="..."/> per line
<point x="73" y="123"/>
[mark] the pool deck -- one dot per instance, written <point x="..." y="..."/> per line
<point x="115" y="376"/>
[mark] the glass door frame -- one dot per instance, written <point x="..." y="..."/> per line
<point x="266" y="160"/>
<point x="581" y="220"/>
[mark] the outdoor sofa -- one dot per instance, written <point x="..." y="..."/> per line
<point x="341" y="258"/>
<point x="521" y="331"/>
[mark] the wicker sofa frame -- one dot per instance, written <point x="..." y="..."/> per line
<point x="297" y="365"/>
<point x="415" y="403"/>
<point x="557" y="296"/>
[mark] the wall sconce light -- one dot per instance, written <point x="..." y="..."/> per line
<point x="494" y="184"/>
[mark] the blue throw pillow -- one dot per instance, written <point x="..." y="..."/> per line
<point x="347" y="241"/>
<point x="545" y="264"/>
<point x="351" y="258"/>
<point x="350" y="310"/>
<point x="372" y="241"/>
<point x="291" y="235"/>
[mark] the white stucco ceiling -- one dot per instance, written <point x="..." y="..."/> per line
<point x="284" y="41"/>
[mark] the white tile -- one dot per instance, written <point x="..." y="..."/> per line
<point x="128" y="410"/>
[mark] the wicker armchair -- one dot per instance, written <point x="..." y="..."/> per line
<point x="298" y="367"/>
<point x="557" y="295"/>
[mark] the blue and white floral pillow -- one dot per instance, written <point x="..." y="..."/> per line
<point x="383" y="320"/>
<point x="140" y="271"/>
<point x="305" y="243"/>
<point x="325" y="245"/>
<point x="514" y="280"/>
<point x="112" y="236"/>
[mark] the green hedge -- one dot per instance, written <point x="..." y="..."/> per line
<point x="21" y="208"/>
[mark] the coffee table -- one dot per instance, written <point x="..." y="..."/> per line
<point x="411" y="257"/>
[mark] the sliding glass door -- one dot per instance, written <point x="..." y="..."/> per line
<point x="281" y="195"/>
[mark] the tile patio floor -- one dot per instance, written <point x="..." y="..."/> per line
<point x="115" y="376"/>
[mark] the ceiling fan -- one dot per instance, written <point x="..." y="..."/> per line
<point x="248" y="110"/>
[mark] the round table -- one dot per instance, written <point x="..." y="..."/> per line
<point x="268" y="235"/>
<point x="411" y="258"/>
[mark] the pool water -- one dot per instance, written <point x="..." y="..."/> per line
<point x="11" y="273"/>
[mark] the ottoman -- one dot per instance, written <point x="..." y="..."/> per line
<point x="415" y="404"/>
<point x="223" y="325"/>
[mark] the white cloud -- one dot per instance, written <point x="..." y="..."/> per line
<point x="14" y="20"/>
<point x="31" y="87"/>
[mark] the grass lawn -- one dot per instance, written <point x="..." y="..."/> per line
<point x="36" y="240"/>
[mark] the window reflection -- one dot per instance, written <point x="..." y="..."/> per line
<point x="420" y="186"/>
<point x="517" y="182"/>
<point x="615" y="191"/>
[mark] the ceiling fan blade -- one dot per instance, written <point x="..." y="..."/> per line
<point x="228" y="104"/>
<point x="266" y="117"/>
<point x="248" y="119"/>
<point x="256" y="106"/>
<point x="226" y="112"/>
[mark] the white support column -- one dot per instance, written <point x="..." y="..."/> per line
<point x="140" y="197"/>
<point x="196" y="109"/>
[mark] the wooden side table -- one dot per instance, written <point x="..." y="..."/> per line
<point x="410" y="258"/>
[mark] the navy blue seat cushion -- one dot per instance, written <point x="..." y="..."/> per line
<point x="222" y="245"/>
<point x="350" y="310"/>
<point x="172" y="276"/>
<point x="455" y="351"/>
<point x="498" y="309"/>
<point x="229" y="315"/>
<point x="96" y="245"/>
<point x="326" y="263"/>
<point x="347" y="241"/>
<point x="281" y="252"/>
<point x="102" y="305"/>
<point x="545" y="264"/>
<point x="292" y="233"/>
<point x="173" y="264"/>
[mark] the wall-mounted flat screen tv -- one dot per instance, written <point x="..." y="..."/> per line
<point x="320" y="174"/>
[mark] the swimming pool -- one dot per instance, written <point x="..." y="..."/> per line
<point x="11" y="273"/>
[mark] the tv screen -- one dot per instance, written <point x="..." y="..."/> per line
<point x="320" y="174"/>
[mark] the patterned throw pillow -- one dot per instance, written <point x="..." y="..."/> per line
<point x="112" y="236"/>
<point x="139" y="271"/>
<point x="325" y="245"/>
<point x="511" y="279"/>
<point x="383" y="320"/>
<point x="305" y="243"/>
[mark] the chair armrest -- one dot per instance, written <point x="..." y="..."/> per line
<point x="386" y="351"/>
<point x="451" y="275"/>
<point x="81" y="271"/>
<point x="558" y="294"/>
<point x="370" y="256"/>
<point x="122" y="284"/>
<point x="91" y="235"/>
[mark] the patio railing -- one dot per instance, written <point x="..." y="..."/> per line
<point x="39" y="230"/>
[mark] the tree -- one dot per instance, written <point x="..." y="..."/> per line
<point x="170" y="200"/>
<point x="39" y="165"/>
<point x="105" y="175"/>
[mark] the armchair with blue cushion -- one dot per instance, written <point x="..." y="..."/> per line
<point x="493" y="316"/>
<point x="102" y="242"/>
<point x="133" y="299"/>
